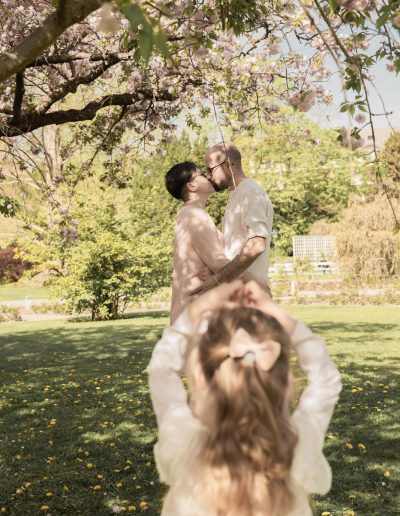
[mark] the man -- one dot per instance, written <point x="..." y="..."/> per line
<point x="198" y="246"/>
<point x="247" y="223"/>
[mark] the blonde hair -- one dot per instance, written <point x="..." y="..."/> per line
<point x="248" y="451"/>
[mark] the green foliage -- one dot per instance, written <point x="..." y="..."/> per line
<point x="306" y="172"/>
<point x="103" y="275"/>
<point x="368" y="243"/>
<point x="150" y="35"/>
<point x="114" y="246"/>
<point x="390" y="156"/>
<point x="8" y="206"/>
<point x="8" y="314"/>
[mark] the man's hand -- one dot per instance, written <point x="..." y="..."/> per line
<point x="209" y="283"/>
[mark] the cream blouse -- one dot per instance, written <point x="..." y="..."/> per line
<point x="179" y="431"/>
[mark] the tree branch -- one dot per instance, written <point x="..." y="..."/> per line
<point x="18" y="97"/>
<point x="78" y="56"/>
<point x="33" y="121"/>
<point x="71" y="86"/>
<point x="68" y="13"/>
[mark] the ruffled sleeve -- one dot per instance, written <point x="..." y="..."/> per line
<point x="176" y="423"/>
<point x="310" y="468"/>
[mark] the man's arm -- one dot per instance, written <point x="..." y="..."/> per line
<point x="205" y="241"/>
<point x="242" y="261"/>
<point x="238" y="266"/>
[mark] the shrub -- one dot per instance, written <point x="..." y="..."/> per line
<point x="8" y="314"/>
<point x="368" y="244"/>
<point x="11" y="266"/>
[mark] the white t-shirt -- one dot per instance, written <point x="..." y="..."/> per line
<point x="249" y="214"/>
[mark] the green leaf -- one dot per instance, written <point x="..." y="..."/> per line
<point x="146" y="43"/>
<point x="135" y="16"/>
<point x="160" y="41"/>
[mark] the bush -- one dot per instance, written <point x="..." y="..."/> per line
<point x="368" y="243"/>
<point x="388" y="298"/>
<point x="54" y="307"/>
<point x="11" y="267"/>
<point x="103" y="276"/>
<point x="8" y="314"/>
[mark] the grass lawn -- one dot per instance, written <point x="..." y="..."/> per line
<point x="16" y="292"/>
<point x="77" y="427"/>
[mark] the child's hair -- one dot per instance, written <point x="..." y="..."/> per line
<point x="248" y="452"/>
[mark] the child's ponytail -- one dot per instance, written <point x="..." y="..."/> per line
<point x="248" y="452"/>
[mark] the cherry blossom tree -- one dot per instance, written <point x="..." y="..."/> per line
<point x="132" y="68"/>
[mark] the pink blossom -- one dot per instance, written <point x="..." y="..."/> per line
<point x="303" y="100"/>
<point x="396" y="20"/>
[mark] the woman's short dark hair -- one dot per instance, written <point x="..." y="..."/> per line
<point x="178" y="176"/>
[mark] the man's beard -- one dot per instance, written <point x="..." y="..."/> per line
<point x="219" y="188"/>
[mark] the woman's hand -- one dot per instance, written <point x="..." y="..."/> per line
<point x="254" y="296"/>
<point x="226" y="294"/>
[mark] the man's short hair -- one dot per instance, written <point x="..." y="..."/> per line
<point x="178" y="176"/>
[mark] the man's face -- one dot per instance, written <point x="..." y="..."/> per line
<point x="215" y="165"/>
<point x="203" y="185"/>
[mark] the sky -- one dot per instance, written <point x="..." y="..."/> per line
<point x="385" y="82"/>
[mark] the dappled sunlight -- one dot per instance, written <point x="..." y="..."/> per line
<point x="78" y="423"/>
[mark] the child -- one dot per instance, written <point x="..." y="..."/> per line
<point x="236" y="450"/>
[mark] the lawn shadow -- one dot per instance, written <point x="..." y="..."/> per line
<point x="76" y="412"/>
<point x="77" y="420"/>
<point x="363" y="439"/>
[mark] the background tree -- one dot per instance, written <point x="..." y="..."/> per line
<point x="307" y="174"/>
<point x="372" y="250"/>
<point x="390" y="156"/>
<point x="113" y="244"/>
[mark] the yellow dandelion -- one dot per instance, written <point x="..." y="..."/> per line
<point x="44" y="508"/>
<point x="349" y="446"/>
<point x="352" y="497"/>
<point x="20" y="490"/>
<point x="18" y="457"/>
<point x="27" y="484"/>
<point x="100" y="477"/>
<point x="350" y="512"/>
<point x="49" y="494"/>
<point x="325" y="513"/>
<point x="89" y="465"/>
<point x="386" y="474"/>
<point x="131" y="508"/>
<point x="97" y="488"/>
<point x="119" y="484"/>
<point x="3" y="509"/>
<point x="66" y="489"/>
<point x="362" y="446"/>
<point x="143" y="504"/>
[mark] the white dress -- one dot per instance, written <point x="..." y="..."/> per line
<point x="180" y="431"/>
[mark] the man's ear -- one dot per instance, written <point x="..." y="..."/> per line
<point x="191" y="186"/>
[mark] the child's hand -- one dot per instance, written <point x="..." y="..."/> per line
<point x="254" y="296"/>
<point x="226" y="294"/>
